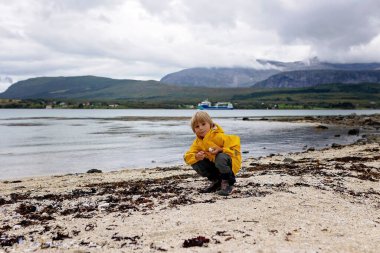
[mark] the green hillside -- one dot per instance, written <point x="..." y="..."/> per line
<point x="134" y="93"/>
<point x="346" y="96"/>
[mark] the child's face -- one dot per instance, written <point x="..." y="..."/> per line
<point x="201" y="129"/>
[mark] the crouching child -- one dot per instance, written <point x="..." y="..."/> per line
<point x="214" y="154"/>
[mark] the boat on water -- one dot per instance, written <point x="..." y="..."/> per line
<point x="206" y="105"/>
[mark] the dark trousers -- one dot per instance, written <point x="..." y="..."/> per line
<point x="220" y="170"/>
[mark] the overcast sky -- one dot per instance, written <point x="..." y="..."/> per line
<point x="146" y="39"/>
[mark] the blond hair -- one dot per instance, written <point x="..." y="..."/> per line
<point x="200" y="117"/>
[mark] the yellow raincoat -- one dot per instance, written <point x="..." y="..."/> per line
<point x="216" y="137"/>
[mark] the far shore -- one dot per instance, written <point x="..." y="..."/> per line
<point x="324" y="200"/>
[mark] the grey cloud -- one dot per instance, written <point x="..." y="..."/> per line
<point x="76" y="5"/>
<point x="329" y="27"/>
<point x="336" y="24"/>
<point x="149" y="38"/>
<point x="324" y="24"/>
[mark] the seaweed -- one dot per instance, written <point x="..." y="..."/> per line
<point x="195" y="242"/>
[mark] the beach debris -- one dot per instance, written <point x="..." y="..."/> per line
<point x="6" y="240"/>
<point x="60" y="236"/>
<point x="131" y="239"/>
<point x="2" y="201"/>
<point x="25" y="209"/>
<point x="89" y="227"/>
<point x="12" y="182"/>
<point x="152" y="246"/>
<point x="222" y="233"/>
<point x="94" y="171"/>
<point x="195" y="242"/>
<point x="273" y="231"/>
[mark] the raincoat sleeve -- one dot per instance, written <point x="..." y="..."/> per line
<point x="189" y="156"/>
<point x="231" y="145"/>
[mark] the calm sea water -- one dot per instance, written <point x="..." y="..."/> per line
<point x="45" y="142"/>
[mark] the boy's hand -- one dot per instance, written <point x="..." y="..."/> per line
<point x="215" y="150"/>
<point x="200" y="155"/>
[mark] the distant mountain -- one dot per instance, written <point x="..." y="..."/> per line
<point x="218" y="77"/>
<point x="148" y="94"/>
<point x="83" y="87"/>
<point x="246" y="77"/>
<point x="92" y="87"/>
<point x="196" y="84"/>
<point x="309" y="78"/>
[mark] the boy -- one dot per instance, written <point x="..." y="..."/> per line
<point x="214" y="154"/>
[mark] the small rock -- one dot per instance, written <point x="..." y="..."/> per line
<point x="354" y="131"/>
<point x="288" y="160"/>
<point x="245" y="118"/>
<point x="104" y="205"/>
<point x="321" y="127"/>
<point x="92" y="245"/>
<point x="45" y="215"/>
<point x="311" y="149"/>
<point x="245" y="152"/>
<point x="94" y="171"/>
<point x="335" y="145"/>
<point x="337" y="135"/>
<point x="45" y="245"/>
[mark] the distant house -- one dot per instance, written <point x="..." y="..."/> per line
<point x="49" y="107"/>
<point x="113" y="105"/>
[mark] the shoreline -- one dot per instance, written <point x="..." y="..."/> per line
<point x="324" y="200"/>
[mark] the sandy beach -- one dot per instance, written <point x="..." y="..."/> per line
<point x="313" y="201"/>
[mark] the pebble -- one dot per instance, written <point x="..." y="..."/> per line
<point x="335" y="145"/>
<point x="92" y="245"/>
<point x="288" y="160"/>
<point x="94" y="171"/>
<point x="104" y="205"/>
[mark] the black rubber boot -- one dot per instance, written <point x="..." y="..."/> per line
<point x="225" y="188"/>
<point x="213" y="187"/>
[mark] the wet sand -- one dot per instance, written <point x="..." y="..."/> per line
<point x="313" y="201"/>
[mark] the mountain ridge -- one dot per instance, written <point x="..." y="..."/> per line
<point x="218" y="77"/>
<point x="93" y="87"/>
<point x="246" y="77"/>
<point x="309" y="78"/>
